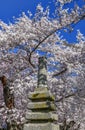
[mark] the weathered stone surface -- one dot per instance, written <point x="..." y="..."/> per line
<point x="44" y="88"/>
<point x="42" y="72"/>
<point x="41" y="95"/>
<point x="41" y="126"/>
<point x="41" y="116"/>
<point x="41" y="105"/>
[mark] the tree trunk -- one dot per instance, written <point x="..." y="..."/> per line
<point x="8" y="98"/>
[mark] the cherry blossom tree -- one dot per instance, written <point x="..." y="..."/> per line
<point x="28" y="38"/>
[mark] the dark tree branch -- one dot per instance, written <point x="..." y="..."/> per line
<point x="67" y="96"/>
<point x="60" y="72"/>
<point x="38" y="46"/>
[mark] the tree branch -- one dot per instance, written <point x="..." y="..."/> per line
<point x="67" y="96"/>
<point x="60" y="72"/>
<point x="76" y="20"/>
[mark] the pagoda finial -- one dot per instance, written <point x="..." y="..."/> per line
<point x="42" y="72"/>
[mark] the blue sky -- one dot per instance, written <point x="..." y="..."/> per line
<point x="10" y="8"/>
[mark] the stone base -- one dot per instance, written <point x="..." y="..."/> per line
<point x="41" y="116"/>
<point x="41" y="126"/>
<point x="41" y="105"/>
<point x="42" y="88"/>
<point x="39" y="95"/>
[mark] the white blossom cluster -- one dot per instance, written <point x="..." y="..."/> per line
<point x="64" y="1"/>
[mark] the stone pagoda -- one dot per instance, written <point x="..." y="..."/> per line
<point x="42" y="114"/>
